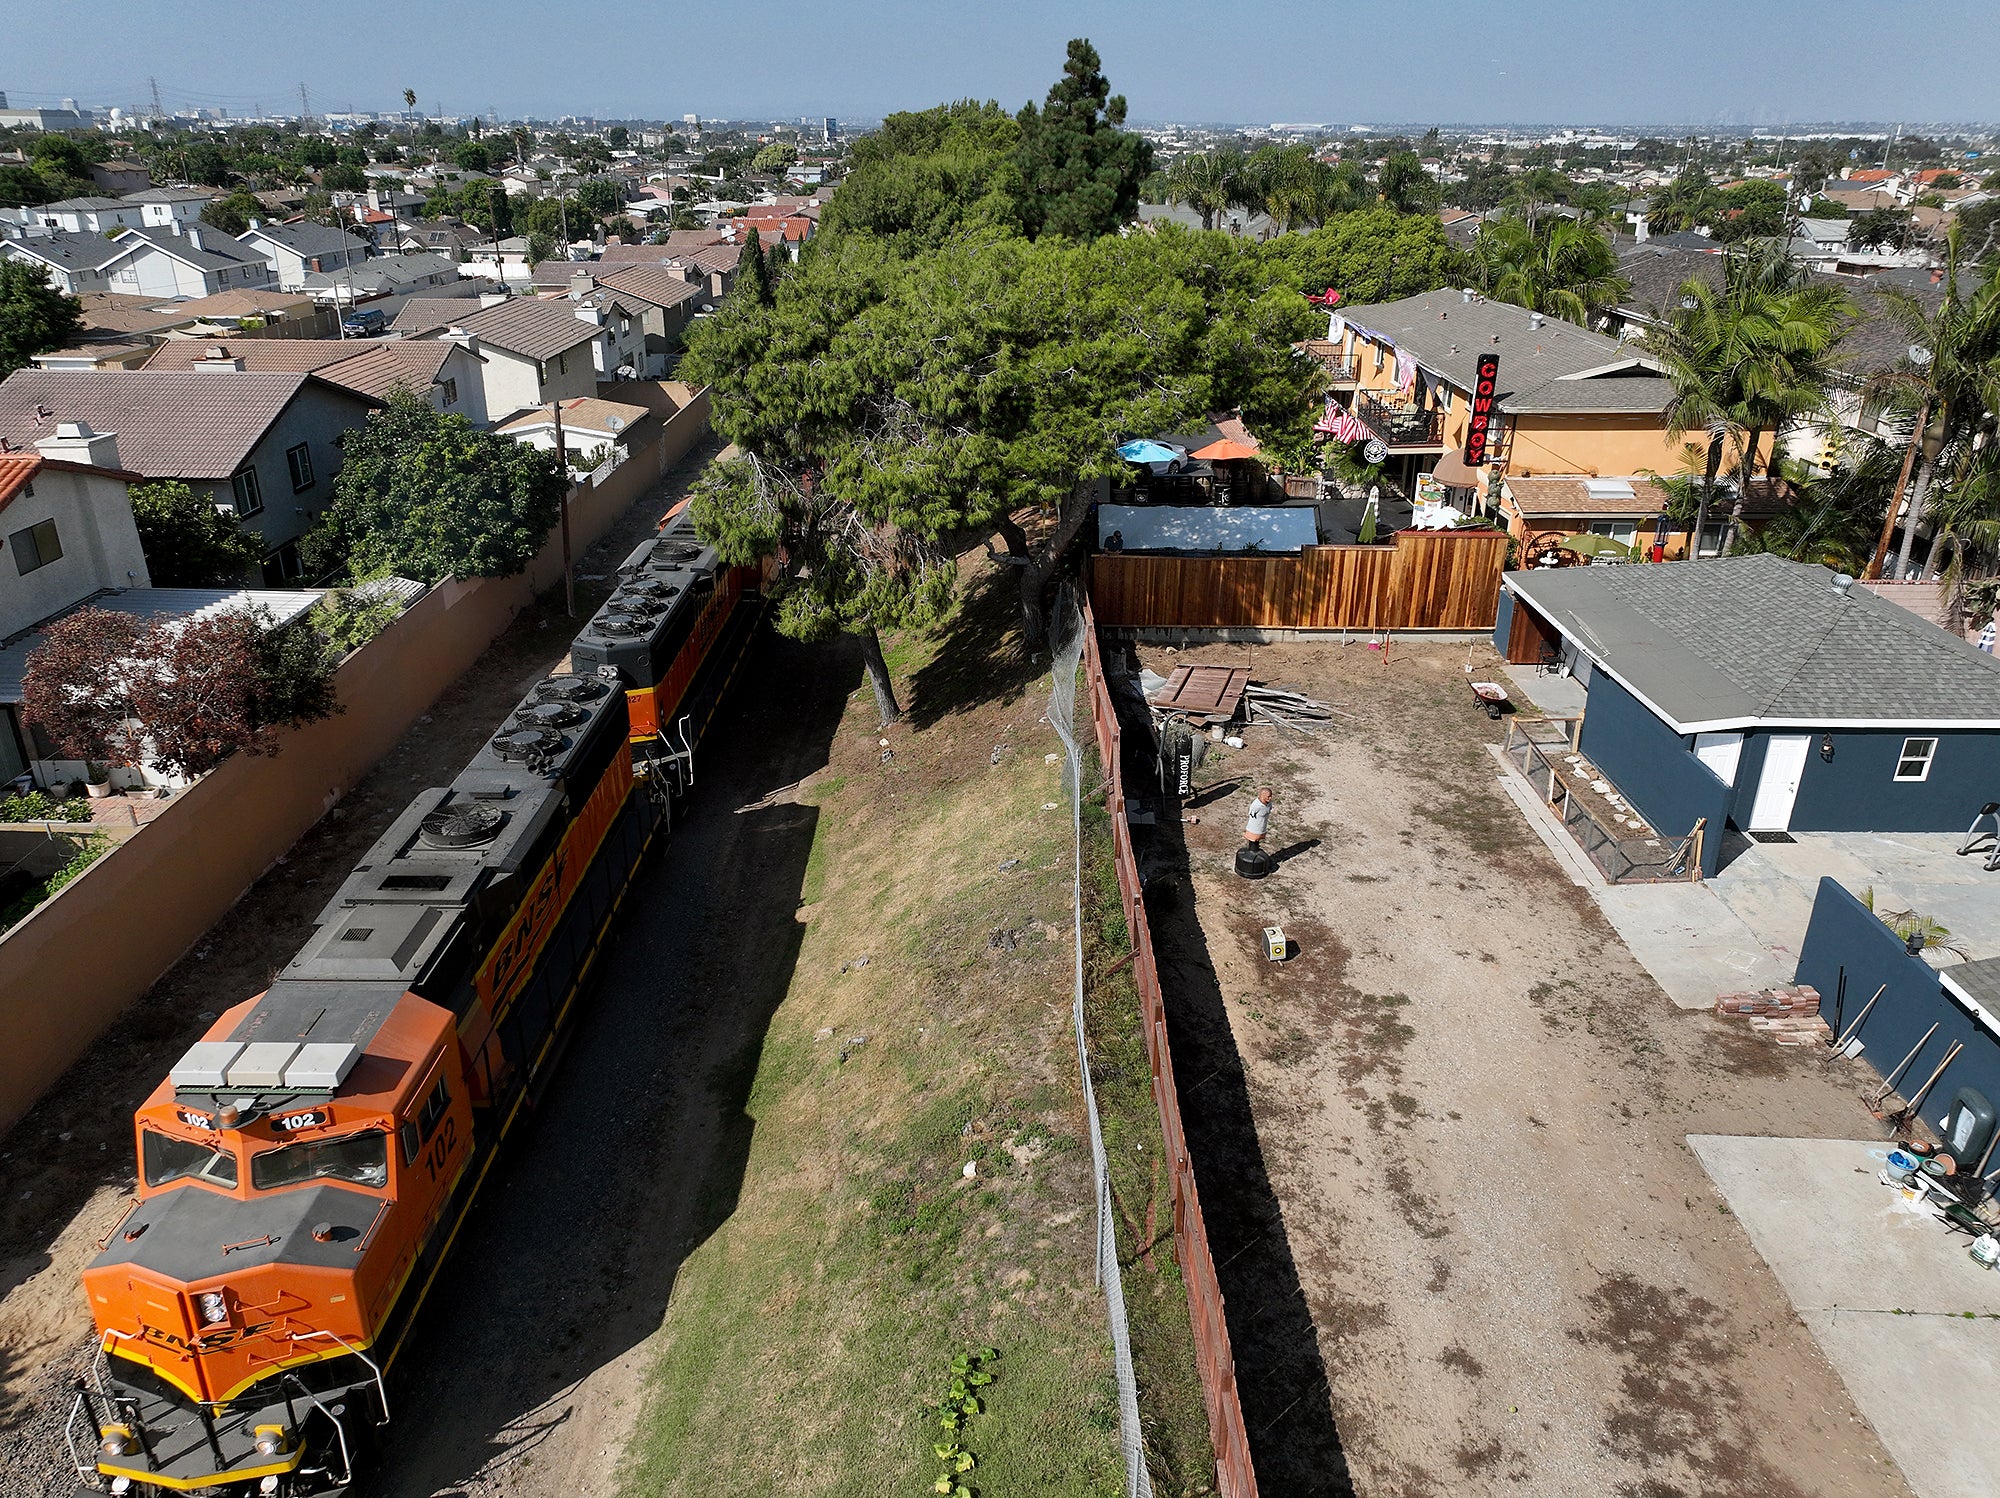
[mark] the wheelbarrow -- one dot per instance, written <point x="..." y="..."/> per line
<point x="1492" y="696"/>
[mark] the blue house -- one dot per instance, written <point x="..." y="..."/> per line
<point x="1766" y="694"/>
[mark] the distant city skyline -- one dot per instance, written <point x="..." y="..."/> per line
<point x="1682" y="63"/>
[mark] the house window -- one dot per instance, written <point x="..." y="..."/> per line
<point x="451" y="392"/>
<point x="37" y="546"/>
<point x="1378" y="358"/>
<point x="299" y="460"/>
<point x="1914" y="763"/>
<point x="562" y="363"/>
<point x="283" y="566"/>
<point x="249" y="497"/>
<point x="1624" y="532"/>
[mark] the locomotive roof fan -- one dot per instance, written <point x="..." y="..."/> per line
<point x="462" y="826"/>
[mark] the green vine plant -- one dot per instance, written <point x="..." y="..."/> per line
<point x="954" y="1408"/>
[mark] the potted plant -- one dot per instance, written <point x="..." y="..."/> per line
<point x="97" y="779"/>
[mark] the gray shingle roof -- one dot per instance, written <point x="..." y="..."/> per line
<point x="1736" y="641"/>
<point x="216" y="250"/>
<point x="305" y="238"/>
<point x="65" y="251"/>
<point x="180" y="423"/>
<point x="530" y="327"/>
<point x="1539" y="367"/>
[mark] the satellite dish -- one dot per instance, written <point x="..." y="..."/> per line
<point x="1375" y="450"/>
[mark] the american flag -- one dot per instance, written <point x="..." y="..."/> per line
<point x="1339" y="424"/>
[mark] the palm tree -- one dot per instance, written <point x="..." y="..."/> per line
<point x="1209" y="182"/>
<point x="1745" y="359"/>
<point x="1564" y="268"/>
<point x="1952" y="378"/>
<point x="1405" y="185"/>
<point x="409" y="101"/>
<point x="1682" y="203"/>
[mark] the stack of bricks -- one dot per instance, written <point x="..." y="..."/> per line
<point x="1790" y="1016"/>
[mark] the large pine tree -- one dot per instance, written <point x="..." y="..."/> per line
<point x="1079" y="168"/>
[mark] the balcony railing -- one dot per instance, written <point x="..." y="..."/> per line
<point x="1403" y="428"/>
<point x="1339" y="368"/>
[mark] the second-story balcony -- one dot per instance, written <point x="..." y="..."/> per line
<point x="1404" y="428"/>
<point x="1340" y="369"/>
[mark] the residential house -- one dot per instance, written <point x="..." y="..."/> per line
<point x="66" y="520"/>
<point x="437" y="236"/>
<point x="445" y="373"/>
<point x="163" y="207"/>
<point x="667" y="297"/>
<point x="83" y="215"/>
<point x="382" y="276"/>
<point x="619" y="350"/>
<point x="1568" y="403"/>
<point x="536" y="351"/>
<point x="432" y="314"/>
<point x="506" y="261"/>
<point x="262" y="445"/>
<point x="1765" y="694"/>
<point x="74" y="262"/>
<point x="593" y="431"/>
<point x="288" y="314"/>
<point x="120" y="179"/>
<point x="298" y="250"/>
<point x="190" y="260"/>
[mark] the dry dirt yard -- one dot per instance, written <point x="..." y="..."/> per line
<point x="1463" y="1152"/>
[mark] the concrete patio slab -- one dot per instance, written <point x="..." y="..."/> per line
<point x="1907" y="1318"/>
<point x="1692" y="942"/>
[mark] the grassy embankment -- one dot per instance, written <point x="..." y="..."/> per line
<point x="927" y="1025"/>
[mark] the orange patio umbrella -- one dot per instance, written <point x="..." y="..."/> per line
<point x="1225" y="451"/>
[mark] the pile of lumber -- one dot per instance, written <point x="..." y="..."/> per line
<point x="1291" y="711"/>
<point x="1790" y="1016"/>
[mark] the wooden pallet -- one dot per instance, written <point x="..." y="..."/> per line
<point x="1211" y="694"/>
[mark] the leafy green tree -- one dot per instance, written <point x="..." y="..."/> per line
<point x="1564" y="268"/>
<point x="1750" y="210"/>
<point x="472" y="156"/>
<point x="1375" y="255"/>
<point x="1952" y="380"/>
<point x="754" y="279"/>
<point x="1079" y="168"/>
<point x="429" y="496"/>
<point x="1209" y="182"/>
<point x="344" y="179"/>
<point x="1484" y="186"/>
<point x="1688" y="200"/>
<point x="188" y="542"/>
<point x="34" y="316"/>
<point x="1877" y="228"/>
<point x="927" y="176"/>
<point x="1405" y="185"/>
<point x="600" y="199"/>
<point x="22" y="186"/>
<point x="618" y="137"/>
<point x="205" y="163"/>
<point x="888" y="407"/>
<point x="58" y="158"/>
<point x="774" y="158"/>
<point x="232" y="214"/>
<point x="1746" y="359"/>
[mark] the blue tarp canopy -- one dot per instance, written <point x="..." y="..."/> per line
<point x="1206" y="528"/>
<point x="1144" y="450"/>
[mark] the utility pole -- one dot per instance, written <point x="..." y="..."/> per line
<point x="159" y="113"/>
<point x="305" y="111"/>
<point x="562" y="457"/>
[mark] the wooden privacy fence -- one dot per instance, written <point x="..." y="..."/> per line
<point x="1214" y="1361"/>
<point x="1427" y="580"/>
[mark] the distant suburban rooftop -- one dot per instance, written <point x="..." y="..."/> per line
<point x="167" y="194"/>
<point x="243" y="303"/>
<point x="527" y="326"/>
<point x="426" y="314"/>
<point x="585" y="413"/>
<point x="82" y="205"/>
<point x="1555" y="367"/>
<point x="183" y="423"/>
<point x="653" y="283"/>
<point x="368" y="368"/>
<point x="1735" y="642"/>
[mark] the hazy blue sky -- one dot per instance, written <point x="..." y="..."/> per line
<point x="1612" y="61"/>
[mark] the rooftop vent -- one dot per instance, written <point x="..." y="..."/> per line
<point x="549" y="715"/>
<point x="461" y="826"/>
<point x="673" y="553"/>
<point x="618" y="626"/>
<point x="1842" y="583"/>
<point x="524" y="745"/>
<point x="1609" y="489"/>
<point x="639" y="604"/>
<point x="1534" y="319"/>
<point x="567" y="689"/>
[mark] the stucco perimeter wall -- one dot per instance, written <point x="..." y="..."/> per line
<point x="72" y="967"/>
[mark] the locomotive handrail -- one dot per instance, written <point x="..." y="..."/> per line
<point x="381" y="1389"/>
<point x="339" y="1430"/>
<point x="69" y="1436"/>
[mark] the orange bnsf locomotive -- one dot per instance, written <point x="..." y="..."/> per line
<point x="305" y="1167"/>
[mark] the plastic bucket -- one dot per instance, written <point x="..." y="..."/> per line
<point x="1901" y="1166"/>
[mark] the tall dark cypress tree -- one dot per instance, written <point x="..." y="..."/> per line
<point x="1079" y="169"/>
<point x="755" y="280"/>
